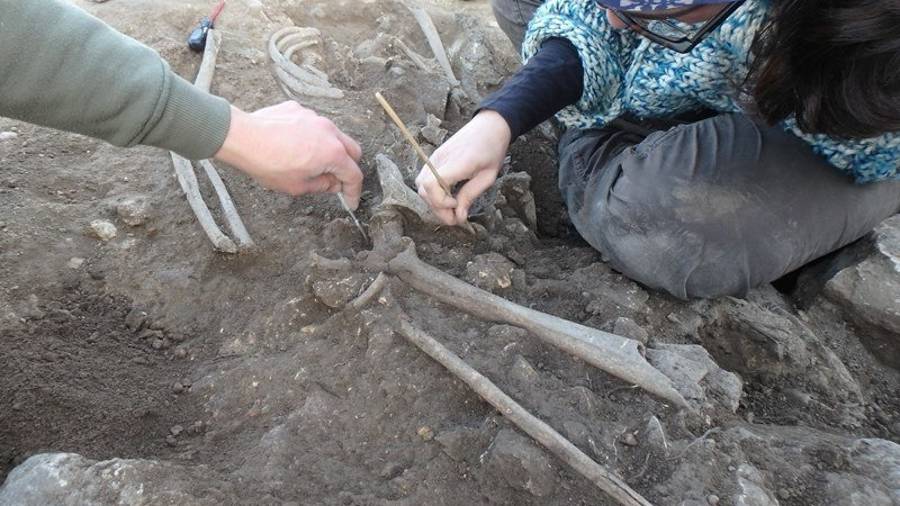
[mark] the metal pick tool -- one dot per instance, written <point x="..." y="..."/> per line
<point x="353" y="217"/>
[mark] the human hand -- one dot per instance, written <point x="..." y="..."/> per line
<point x="291" y="149"/>
<point x="475" y="154"/>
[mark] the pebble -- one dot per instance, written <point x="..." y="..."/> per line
<point x="134" y="211"/>
<point x="391" y="470"/>
<point x="178" y="387"/>
<point x="75" y="262"/>
<point x="135" y="319"/>
<point x="426" y="433"/>
<point x="8" y="136"/>
<point x="712" y="499"/>
<point x="103" y="230"/>
<point x="157" y="344"/>
<point x="176" y="430"/>
<point x="180" y="353"/>
<point x="629" y="440"/>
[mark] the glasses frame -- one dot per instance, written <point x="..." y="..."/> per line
<point x="681" y="45"/>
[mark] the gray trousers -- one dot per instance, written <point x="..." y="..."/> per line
<point x="709" y="207"/>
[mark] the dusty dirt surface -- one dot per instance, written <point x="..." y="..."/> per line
<point x="241" y="380"/>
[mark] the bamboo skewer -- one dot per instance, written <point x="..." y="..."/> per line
<point x="412" y="141"/>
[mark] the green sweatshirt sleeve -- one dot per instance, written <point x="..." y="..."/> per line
<point x="62" y="68"/>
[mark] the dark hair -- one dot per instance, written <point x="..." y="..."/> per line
<point x="832" y="64"/>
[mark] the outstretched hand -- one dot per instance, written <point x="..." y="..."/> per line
<point x="292" y="149"/>
<point x="474" y="154"/>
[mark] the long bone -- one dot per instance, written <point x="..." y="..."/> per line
<point x="521" y="418"/>
<point x="614" y="354"/>
<point x="184" y="172"/>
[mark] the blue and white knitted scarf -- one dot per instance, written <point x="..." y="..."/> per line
<point x="623" y="72"/>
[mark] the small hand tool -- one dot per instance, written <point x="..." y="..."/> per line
<point x="353" y="217"/>
<point x="197" y="39"/>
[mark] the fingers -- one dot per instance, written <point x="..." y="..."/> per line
<point x="352" y="147"/>
<point x="435" y="196"/>
<point x="470" y="191"/>
<point x="347" y="172"/>
<point x="323" y="183"/>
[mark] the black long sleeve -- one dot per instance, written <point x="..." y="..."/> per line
<point x="550" y="81"/>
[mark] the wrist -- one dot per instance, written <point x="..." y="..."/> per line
<point x="234" y="149"/>
<point x="496" y="124"/>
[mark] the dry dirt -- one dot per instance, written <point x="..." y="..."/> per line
<point x="106" y="347"/>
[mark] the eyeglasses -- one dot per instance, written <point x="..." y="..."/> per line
<point x="665" y="30"/>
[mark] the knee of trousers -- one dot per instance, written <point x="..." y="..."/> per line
<point x="667" y="241"/>
<point x="675" y="257"/>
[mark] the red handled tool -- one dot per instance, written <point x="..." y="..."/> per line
<point x="197" y="39"/>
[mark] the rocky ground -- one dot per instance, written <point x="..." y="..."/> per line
<point x="141" y="367"/>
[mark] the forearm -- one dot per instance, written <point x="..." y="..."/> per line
<point x="550" y="81"/>
<point x="65" y="69"/>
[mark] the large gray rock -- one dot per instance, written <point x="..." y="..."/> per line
<point x="799" y="462"/>
<point x="705" y="385"/>
<point x="869" y="292"/>
<point x="68" y="479"/>
<point x="761" y="340"/>
<point x="513" y="458"/>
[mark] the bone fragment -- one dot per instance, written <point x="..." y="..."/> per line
<point x="395" y="192"/>
<point x="434" y="40"/>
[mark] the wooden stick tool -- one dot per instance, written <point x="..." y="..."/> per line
<point x="412" y="141"/>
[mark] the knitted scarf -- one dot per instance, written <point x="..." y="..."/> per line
<point x="625" y="73"/>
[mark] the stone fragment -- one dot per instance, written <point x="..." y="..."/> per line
<point x="103" y="230"/>
<point x="515" y="460"/>
<point x="463" y="444"/>
<point x="30" y="308"/>
<point x="765" y="341"/>
<point x="8" y="136"/>
<point x="869" y="293"/>
<point x="697" y="376"/>
<point x="337" y="292"/>
<point x="133" y="210"/>
<point x="432" y="131"/>
<point x="70" y="479"/>
<point x="136" y="319"/>
<point x="490" y="271"/>
<point x="515" y="190"/>
<point x="426" y="433"/>
<point x="523" y="372"/>
<point x="627" y="327"/>
<point x="75" y="263"/>
<point x="752" y="488"/>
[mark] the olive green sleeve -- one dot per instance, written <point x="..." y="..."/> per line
<point x="62" y="68"/>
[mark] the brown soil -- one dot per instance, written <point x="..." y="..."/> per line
<point x="330" y="417"/>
